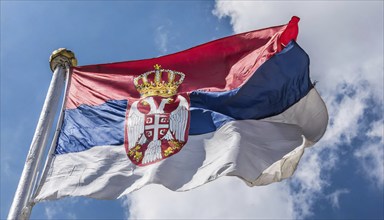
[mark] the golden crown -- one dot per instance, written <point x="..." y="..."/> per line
<point x="152" y="83"/>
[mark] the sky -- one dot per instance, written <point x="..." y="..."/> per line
<point x="340" y="177"/>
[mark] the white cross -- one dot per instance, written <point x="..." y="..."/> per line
<point x="156" y="126"/>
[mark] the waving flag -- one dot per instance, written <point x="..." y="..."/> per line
<point x="239" y="106"/>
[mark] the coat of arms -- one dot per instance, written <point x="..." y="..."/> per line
<point x="157" y="124"/>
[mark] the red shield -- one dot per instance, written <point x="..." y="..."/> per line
<point x="156" y="128"/>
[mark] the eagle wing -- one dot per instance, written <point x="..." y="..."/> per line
<point x="179" y="119"/>
<point x="135" y="126"/>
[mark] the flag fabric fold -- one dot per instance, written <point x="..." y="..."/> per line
<point x="240" y="106"/>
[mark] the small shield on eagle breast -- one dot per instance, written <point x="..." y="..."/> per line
<point x="157" y="124"/>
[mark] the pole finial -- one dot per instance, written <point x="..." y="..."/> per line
<point x="62" y="56"/>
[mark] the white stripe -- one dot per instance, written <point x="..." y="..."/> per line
<point x="259" y="152"/>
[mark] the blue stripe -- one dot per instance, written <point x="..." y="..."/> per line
<point x="275" y="86"/>
<point x="88" y="126"/>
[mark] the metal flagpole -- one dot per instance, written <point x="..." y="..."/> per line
<point x="21" y="207"/>
<point x="52" y="149"/>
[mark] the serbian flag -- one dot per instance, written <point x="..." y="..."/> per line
<point x="239" y="106"/>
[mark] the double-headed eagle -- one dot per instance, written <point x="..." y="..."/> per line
<point x="160" y="132"/>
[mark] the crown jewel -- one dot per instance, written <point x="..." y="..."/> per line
<point x="152" y="83"/>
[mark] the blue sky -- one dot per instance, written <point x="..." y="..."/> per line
<point x="341" y="177"/>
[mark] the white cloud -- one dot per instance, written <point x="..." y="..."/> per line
<point x="225" y="198"/>
<point x="377" y="131"/>
<point x="344" y="41"/>
<point x="307" y="183"/>
<point x="53" y="210"/>
<point x="162" y="39"/>
<point x="50" y="212"/>
<point x="346" y="107"/>
<point x="334" y="197"/>
<point x="340" y="37"/>
<point x="371" y="156"/>
<point x="162" y="36"/>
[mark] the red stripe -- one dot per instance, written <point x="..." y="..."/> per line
<point x="218" y="65"/>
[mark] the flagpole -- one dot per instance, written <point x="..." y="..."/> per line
<point x="60" y="61"/>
